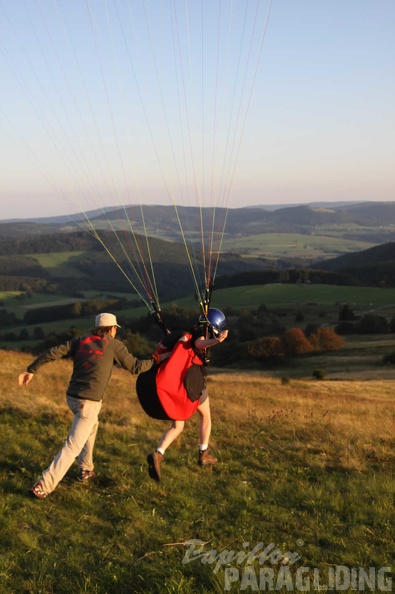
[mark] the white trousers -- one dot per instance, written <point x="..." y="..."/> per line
<point x="79" y="443"/>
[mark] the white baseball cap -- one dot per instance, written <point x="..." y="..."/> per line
<point x="106" y="319"/>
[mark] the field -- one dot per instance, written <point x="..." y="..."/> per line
<point x="305" y="479"/>
<point x="302" y="295"/>
<point x="327" y="241"/>
<point x="312" y="246"/>
<point x="243" y="297"/>
<point x="60" y="264"/>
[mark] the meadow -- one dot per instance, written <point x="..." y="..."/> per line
<point x="305" y="483"/>
<point x="60" y="264"/>
<point x="295" y="245"/>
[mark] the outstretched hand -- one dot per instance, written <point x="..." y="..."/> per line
<point x="24" y="378"/>
<point x="222" y="335"/>
<point x="205" y="343"/>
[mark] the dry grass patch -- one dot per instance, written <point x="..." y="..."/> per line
<point x="335" y="412"/>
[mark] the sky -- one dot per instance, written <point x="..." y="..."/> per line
<point x="194" y="102"/>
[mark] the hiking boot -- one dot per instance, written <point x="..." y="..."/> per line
<point x="154" y="461"/>
<point x="205" y="459"/>
<point x="37" y="490"/>
<point x="87" y="475"/>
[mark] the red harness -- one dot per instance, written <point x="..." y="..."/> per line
<point x="172" y="389"/>
<point x="170" y="384"/>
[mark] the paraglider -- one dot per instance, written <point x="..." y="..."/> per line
<point x="180" y="388"/>
<point x="172" y="390"/>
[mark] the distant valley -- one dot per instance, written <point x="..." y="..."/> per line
<point x="352" y="239"/>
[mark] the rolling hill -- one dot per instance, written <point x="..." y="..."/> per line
<point x="374" y="221"/>
<point x="81" y="257"/>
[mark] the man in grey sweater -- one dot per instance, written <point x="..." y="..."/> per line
<point x="93" y="359"/>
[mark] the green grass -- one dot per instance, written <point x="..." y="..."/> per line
<point x="299" y="294"/>
<point x="60" y="264"/>
<point x="307" y="467"/>
<point x="52" y="260"/>
<point x="12" y="301"/>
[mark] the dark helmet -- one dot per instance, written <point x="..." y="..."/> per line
<point x="216" y="319"/>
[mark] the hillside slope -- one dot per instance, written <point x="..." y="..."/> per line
<point x="373" y="266"/>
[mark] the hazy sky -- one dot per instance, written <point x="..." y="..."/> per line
<point x="230" y="102"/>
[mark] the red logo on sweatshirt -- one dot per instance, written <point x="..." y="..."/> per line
<point x="93" y="347"/>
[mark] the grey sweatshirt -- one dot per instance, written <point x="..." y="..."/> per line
<point x="93" y="361"/>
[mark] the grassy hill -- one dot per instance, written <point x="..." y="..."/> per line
<point x="304" y="469"/>
<point x="370" y="257"/>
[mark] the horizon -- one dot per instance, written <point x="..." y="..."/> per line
<point x="195" y="104"/>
